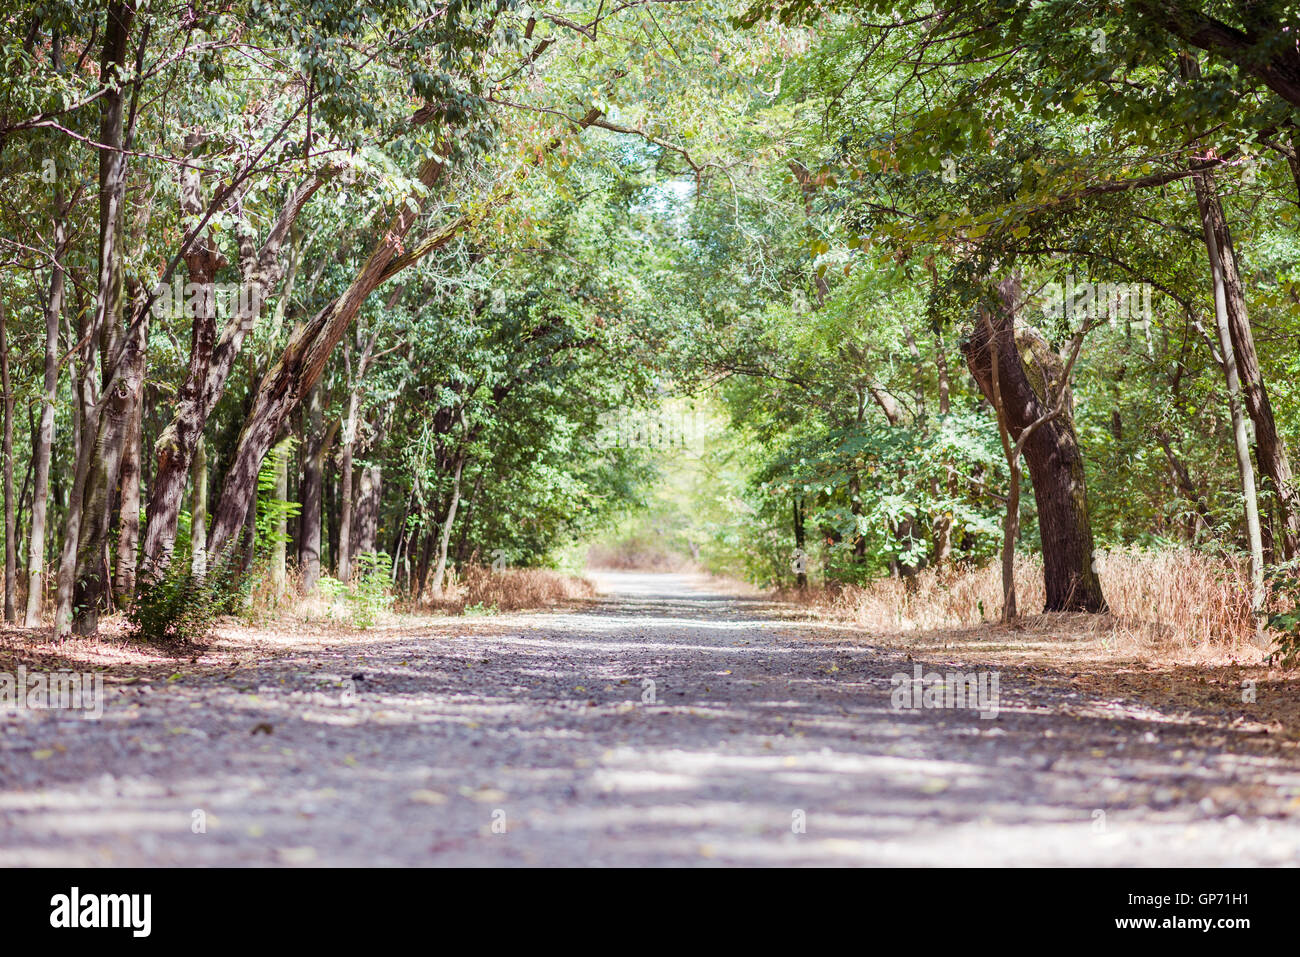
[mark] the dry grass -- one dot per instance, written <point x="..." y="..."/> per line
<point x="1171" y="600"/>
<point x="637" y="556"/>
<point x="476" y="587"/>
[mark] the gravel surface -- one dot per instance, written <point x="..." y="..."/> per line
<point x="540" y="740"/>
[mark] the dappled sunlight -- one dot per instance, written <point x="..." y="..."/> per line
<point x="636" y="729"/>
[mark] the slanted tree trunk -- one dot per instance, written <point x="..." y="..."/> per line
<point x="1051" y="450"/>
<point x="212" y="356"/>
<point x="300" y="367"/>
<point x="1241" y="443"/>
<point x="304" y="357"/>
<point x="1270" y="445"/>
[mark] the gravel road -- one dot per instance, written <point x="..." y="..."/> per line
<point x="662" y="724"/>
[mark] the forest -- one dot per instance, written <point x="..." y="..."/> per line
<point x="920" y="315"/>
<point x="358" y="290"/>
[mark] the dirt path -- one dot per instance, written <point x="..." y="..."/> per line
<point x="534" y="740"/>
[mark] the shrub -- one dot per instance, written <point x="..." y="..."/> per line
<point x="180" y="609"/>
<point x="1284" y="582"/>
<point x="371" y="592"/>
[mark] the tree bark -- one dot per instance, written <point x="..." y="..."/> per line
<point x="801" y="556"/>
<point x="11" y="530"/>
<point x="113" y="423"/>
<point x="212" y="358"/>
<point x="344" y="556"/>
<point x="1223" y="321"/>
<point x="107" y="309"/>
<point x="1270" y="446"/>
<point x="1051" y="451"/>
<point x="128" y="525"/>
<point x="1254" y="50"/>
<point x="199" y="511"/>
<point x="300" y="367"/>
<point x="280" y="546"/>
<point x="310" y="488"/>
<point x="44" y="444"/>
<point x="444" y="535"/>
<point x="369" y="499"/>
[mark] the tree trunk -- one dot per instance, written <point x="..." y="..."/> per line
<point x="345" y="550"/>
<point x="1222" y="315"/>
<point x="279" y="549"/>
<point x="1052" y="452"/>
<point x="444" y="535"/>
<point x="1011" y="516"/>
<point x="102" y="474"/>
<point x="303" y="359"/>
<point x="801" y="556"/>
<point x="309" y="491"/>
<point x="212" y="357"/>
<point x="11" y="530"/>
<point x="300" y="366"/>
<point x="369" y="499"/>
<point x="199" y="512"/>
<point x="128" y="525"/>
<point x="107" y="310"/>
<point x="422" y="566"/>
<point x="44" y="444"/>
<point x="1270" y="446"/>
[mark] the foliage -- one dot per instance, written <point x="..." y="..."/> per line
<point x="180" y="609"/>
<point x="370" y="593"/>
